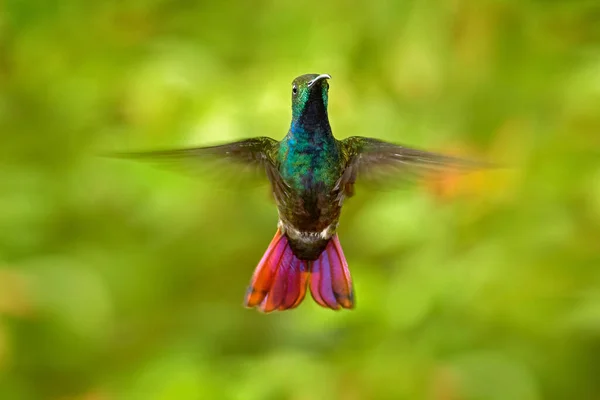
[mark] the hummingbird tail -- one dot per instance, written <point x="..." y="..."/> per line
<point x="280" y="278"/>
<point x="330" y="280"/>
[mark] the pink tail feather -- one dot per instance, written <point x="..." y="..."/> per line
<point x="330" y="280"/>
<point x="279" y="281"/>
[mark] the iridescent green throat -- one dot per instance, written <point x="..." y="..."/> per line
<point x="309" y="154"/>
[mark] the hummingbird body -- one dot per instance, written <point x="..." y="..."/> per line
<point x="305" y="250"/>
<point x="310" y="163"/>
<point x="311" y="173"/>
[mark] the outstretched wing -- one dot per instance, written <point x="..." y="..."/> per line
<point x="255" y="155"/>
<point x="374" y="160"/>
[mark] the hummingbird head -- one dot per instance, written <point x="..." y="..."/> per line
<point x="310" y="98"/>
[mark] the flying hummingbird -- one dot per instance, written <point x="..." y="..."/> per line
<point x="311" y="173"/>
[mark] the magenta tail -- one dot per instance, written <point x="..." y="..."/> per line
<point x="280" y="279"/>
<point x="330" y="280"/>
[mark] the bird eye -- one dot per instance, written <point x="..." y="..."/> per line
<point x="295" y="90"/>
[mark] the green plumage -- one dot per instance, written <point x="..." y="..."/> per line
<point x="311" y="173"/>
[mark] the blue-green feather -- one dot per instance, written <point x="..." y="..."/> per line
<point x="309" y="154"/>
<point x="310" y="159"/>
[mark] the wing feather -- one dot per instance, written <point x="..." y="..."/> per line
<point x="377" y="161"/>
<point x="247" y="158"/>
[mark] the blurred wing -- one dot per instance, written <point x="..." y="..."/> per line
<point x="376" y="161"/>
<point x="249" y="158"/>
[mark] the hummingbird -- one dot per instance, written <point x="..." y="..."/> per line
<point x="311" y="174"/>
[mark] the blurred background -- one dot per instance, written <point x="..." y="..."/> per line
<point x="119" y="280"/>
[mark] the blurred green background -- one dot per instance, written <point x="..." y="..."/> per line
<point x="119" y="280"/>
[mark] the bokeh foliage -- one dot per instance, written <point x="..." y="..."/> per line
<point x="122" y="281"/>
